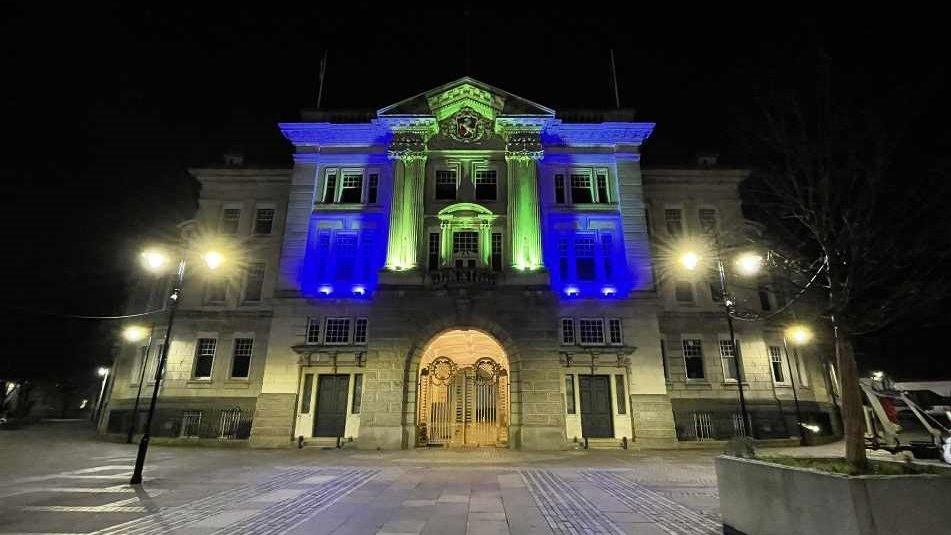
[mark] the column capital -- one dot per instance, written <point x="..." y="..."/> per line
<point x="524" y="146"/>
<point x="407" y="146"/>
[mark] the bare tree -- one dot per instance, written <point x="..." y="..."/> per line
<point x="827" y="185"/>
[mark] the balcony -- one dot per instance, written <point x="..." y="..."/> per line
<point x="456" y="277"/>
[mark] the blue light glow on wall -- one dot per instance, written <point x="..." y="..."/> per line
<point x="345" y="251"/>
<point x="585" y="256"/>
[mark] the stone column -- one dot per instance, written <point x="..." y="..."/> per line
<point x="409" y="151"/>
<point x="445" y="243"/>
<point x="522" y="152"/>
<point x="485" y="242"/>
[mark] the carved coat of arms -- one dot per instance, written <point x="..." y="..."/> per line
<point x="466" y="126"/>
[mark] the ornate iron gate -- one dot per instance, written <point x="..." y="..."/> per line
<point x="463" y="406"/>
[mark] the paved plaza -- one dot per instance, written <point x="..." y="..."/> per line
<point x="59" y="478"/>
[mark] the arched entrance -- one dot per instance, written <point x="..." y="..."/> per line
<point x="463" y="391"/>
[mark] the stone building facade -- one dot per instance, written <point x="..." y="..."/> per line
<point x="465" y="267"/>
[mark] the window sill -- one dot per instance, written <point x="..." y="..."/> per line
<point x="698" y="382"/>
<point x="734" y="383"/>
<point x="199" y="381"/>
<point x="782" y="385"/>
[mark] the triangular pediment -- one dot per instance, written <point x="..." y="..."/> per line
<point x="446" y="100"/>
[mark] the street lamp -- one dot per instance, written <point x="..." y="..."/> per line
<point x="799" y="335"/>
<point x="747" y="264"/>
<point x="135" y="333"/>
<point x="104" y="373"/>
<point x="156" y="260"/>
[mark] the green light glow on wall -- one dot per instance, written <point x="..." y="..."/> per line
<point x="523" y="214"/>
<point x="406" y="210"/>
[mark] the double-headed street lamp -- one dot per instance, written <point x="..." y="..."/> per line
<point x="798" y="335"/>
<point x="136" y="333"/>
<point x="157" y="261"/>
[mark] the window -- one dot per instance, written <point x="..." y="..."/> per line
<point x="351" y="190"/>
<point x="607" y="251"/>
<point x="433" y="262"/>
<point x="313" y="330"/>
<point x="803" y="372"/>
<point x="563" y="258"/>
<point x="619" y="390"/>
<point x="683" y="292"/>
<point x="360" y="331"/>
<point x="372" y="188"/>
<point x="592" y="331"/>
<point x="152" y="364"/>
<point x="465" y="242"/>
<point x="728" y="359"/>
<point x="581" y="189"/>
<point x="337" y="331"/>
<point x="264" y="221"/>
<point x="215" y="291"/>
<point x="357" y="393"/>
<point x="614" y="331"/>
<point x="445" y="185"/>
<point x="776" y="364"/>
<point x="584" y="257"/>
<point x="567" y="331"/>
<point x="230" y="219"/>
<point x="241" y="358"/>
<point x="560" y="189"/>
<point x="663" y="359"/>
<point x="204" y="357"/>
<point x="139" y="365"/>
<point x="708" y="220"/>
<point x="486" y="185"/>
<point x="330" y="188"/>
<point x="764" y="301"/>
<point x="675" y="224"/>
<point x="715" y="294"/>
<point x="305" y="398"/>
<point x="254" y="282"/>
<point x="345" y="255"/>
<point x="693" y="358"/>
<point x="602" y="182"/>
<point x="497" y="251"/>
<point x="570" y="394"/>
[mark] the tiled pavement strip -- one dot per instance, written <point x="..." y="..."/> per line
<point x="329" y="484"/>
<point x="566" y="510"/>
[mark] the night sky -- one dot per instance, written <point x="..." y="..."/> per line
<point x="104" y="107"/>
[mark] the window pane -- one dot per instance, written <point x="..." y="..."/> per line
<point x="486" y="184"/>
<point x="230" y="219"/>
<point x="563" y="258"/>
<point x="693" y="358"/>
<point x="497" y="251"/>
<point x="708" y="220"/>
<point x="433" y="262"/>
<point x="255" y="282"/>
<point x="570" y="393"/>
<point x="204" y="357"/>
<point x="241" y="361"/>
<point x="607" y="253"/>
<point x="776" y="363"/>
<point x="360" y="331"/>
<point x="445" y="185"/>
<point x="715" y="293"/>
<point x="345" y="255"/>
<point x="592" y="331"/>
<point x="683" y="292"/>
<point x="728" y="357"/>
<point x="674" y="219"/>
<point x="308" y="388"/>
<point x="465" y="242"/>
<point x="615" y="330"/>
<point x="764" y="302"/>
<point x="352" y="189"/>
<point x="560" y="189"/>
<point x="337" y="331"/>
<point x="330" y="189"/>
<point x="313" y="331"/>
<point x="581" y="189"/>
<point x="567" y="331"/>
<point x="372" y="187"/>
<point x="357" y="393"/>
<point x="584" y="257"/>
<point x="602" y="188"/>
<point x="621" y="397"/>
<point x="264" y="221"/>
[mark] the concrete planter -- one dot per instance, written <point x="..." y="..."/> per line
<point x="762" y="498"/>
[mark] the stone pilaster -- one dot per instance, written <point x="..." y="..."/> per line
<point x="522" y="152"/>
<point x="409" y="151"/>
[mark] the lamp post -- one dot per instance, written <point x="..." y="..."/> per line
<point x="800" y="335"/>
<point x="155" y="260"/>
<point x="104" y="373"/>
<point x="134" y="333"/>
<point x="746" y="264"/>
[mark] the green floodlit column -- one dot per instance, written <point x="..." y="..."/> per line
<point x="409" y="151"/>
<point x="445" y="243"/>
<point x="524" y="220"/>
<point x="485" y="242"/>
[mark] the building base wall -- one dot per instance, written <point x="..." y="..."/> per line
<point x="653" y="418"/>
<point x="273" y="421"/>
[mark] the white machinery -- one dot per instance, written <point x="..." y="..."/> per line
<point x="893" y="422"/>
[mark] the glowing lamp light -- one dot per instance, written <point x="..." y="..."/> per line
<point x="154" y="260"/>
<point x="878" y="375"/>
<point x="102" y="372"/>
<point x="812" y="427"/>
<point x="213" y="259"/>
<point x="134" y="333"/>
<point x="608" y="291"/>
<point x="359" y="290"/>
<point x="799" y="334"/>
<point x="572" y="291"/>
<point x="325" y="290"/>
<point x="690" y="260"/>
<point x="749" y="264"/>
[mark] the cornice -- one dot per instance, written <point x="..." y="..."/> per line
<point x="336" y="135"/>
<point x="594" y="134"/>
